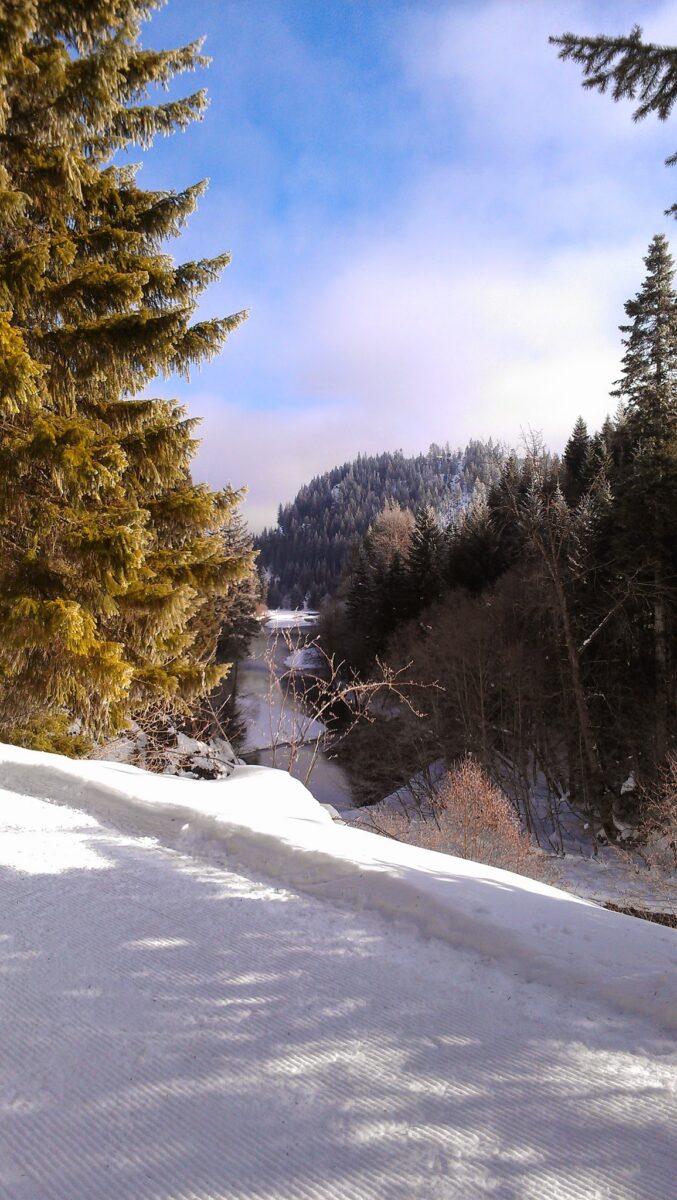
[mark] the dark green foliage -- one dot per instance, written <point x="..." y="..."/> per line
<point x="646" y="479"/>
<point x="646" y="471"/>
<point x="578" y="462"/>
<point x="361" y="595"/>
<point x="237" y="609"/>
<point x="475" y="555"/>
<point x="425" y="561"/>
<point x="378" y="589"/>
<point x="634" y="69"/>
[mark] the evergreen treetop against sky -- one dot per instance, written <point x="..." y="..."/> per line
<point x="434" y="226"/>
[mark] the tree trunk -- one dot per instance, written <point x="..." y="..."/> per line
<point x="661" y="661"/>
<point x="600" y="798"/>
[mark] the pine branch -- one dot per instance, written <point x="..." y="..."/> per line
<point x="632" y="68"/>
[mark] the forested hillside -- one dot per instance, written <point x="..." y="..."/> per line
<point x="545" y="611"/>
<point x="305" y="554"/>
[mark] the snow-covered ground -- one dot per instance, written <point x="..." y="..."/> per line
<point x="616" y="876"/>
<point x="576" y="860"/>
<point x="304" y="658"/>
<point x="211" y="991"/>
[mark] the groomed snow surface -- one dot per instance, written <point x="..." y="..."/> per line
<point x="212" y="992"/>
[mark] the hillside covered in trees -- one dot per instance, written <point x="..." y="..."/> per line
<point x="544" y="613"/>
<point x="303" y="557"/>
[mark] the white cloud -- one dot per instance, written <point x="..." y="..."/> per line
<point x="484" y="296"/>
<point x="402" y="355"/>
<point x="494" y="61"/>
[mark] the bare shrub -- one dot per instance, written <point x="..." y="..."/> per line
<point x="658" y="827"/>
<point x="471" y="818"/>
<point x="497" y="689"/>
<point x="191" y="742"/>
<point x="318" y="701"/>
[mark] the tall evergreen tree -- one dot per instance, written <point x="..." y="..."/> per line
<point x="473" y="559"/>
<point x="108" y="550"/>
<point x="362" y="606"/>
<point x="425" y="561"/>
<point x="236" y="611"/>
<point x="647" y="481"/>
<point x="392" y="599"/>
<point x="578" y="462"/>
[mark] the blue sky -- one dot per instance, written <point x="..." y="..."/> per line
<point x="433" y="227"/>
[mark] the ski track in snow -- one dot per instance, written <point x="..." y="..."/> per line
<point x="179" y="1031"/>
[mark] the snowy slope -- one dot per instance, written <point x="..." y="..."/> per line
<point x="270" y="823"/>
<point x="176" y="1029"/>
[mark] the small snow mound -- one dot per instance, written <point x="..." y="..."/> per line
<point x="305" y="658"/>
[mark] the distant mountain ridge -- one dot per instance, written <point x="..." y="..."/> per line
<point x="305" y="554"/>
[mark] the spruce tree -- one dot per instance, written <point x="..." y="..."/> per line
<point x="109" y="552"/>
<point x="472" y="554"/>
<point x="392" y="600"/>
<point x="425" y="561"/>
<point x="236" y="611"/>
<point x="578" y="462"/>
<point x="362" y="600"/>
<point x="646" y="483"/>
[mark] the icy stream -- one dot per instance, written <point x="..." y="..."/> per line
<point x="273" y="716"/>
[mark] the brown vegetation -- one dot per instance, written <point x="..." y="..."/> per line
<point x="658" y="827"/>
<point x="471" y="818"/>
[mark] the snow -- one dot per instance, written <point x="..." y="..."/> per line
<point x="213" y="991"/>
<point x="270" y="823"/>
<point x="274" y="720"/>
<point x="615" y="873"/>
<point x="304" y="658"/>
<point x="600" y="873"/>
<point x="409" y="800"/>
<point x="629" y="784"/>
<point x="291" y="618"/>
<point x="614" y="876"/>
